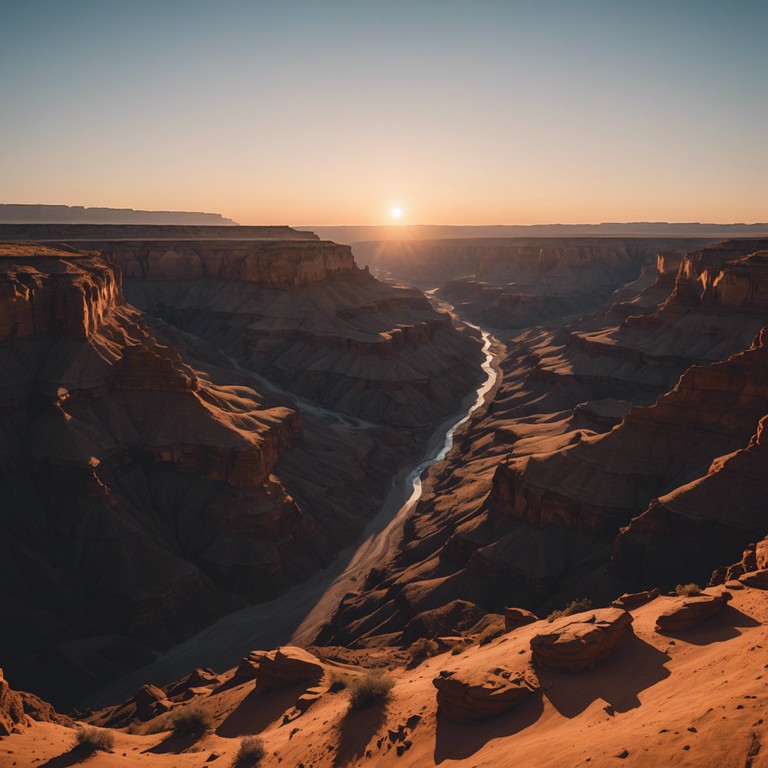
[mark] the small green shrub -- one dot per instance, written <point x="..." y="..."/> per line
<point x="576" y="606"/>
<point x="192" y="721"/>
<point x="374" y="687"/>
<point x="422" y="648"/>
<point x="687" y="590"/>
<point x="94" y="739"/>
<point x="250" y="753"/>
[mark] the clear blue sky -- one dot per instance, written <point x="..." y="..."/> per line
<point x="332" y="112"/>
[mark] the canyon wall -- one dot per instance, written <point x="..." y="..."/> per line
<point x="620" y="451"/>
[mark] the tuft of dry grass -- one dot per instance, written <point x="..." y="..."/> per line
<point x="489" y="633"/>
<point x="374" y="687"/>
<point x="192" y="721"/>
<point x="337" y="679"/>
<point x="422" y="648"/>
<point x="250" y="753"/>
<point x="575" y="606"/>
<point x="687" y="590"/>
<point x="94" y="739"/>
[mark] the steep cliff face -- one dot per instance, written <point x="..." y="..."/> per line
<point x="139" y="500"/>
<point x="306" y="317"/>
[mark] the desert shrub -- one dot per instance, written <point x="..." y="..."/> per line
<point x="374" y="687"/>
<point x="192" y="721"/>
<point x="423" y="647"/>
<point x="687" y="590"/>
<point x="489" y="633"/>
<point x="575" y="606"/>
<point x="250" y="753"/>
<point x="337" y="679"/>
<point x="94" y="739"/>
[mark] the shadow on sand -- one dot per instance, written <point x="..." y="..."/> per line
<point x="258" y="710"/>
<point x="722" y="626"/>
<point x="618" y="680"/>
<point x="356" y="730"/>
<point x="459" y="741"/>
<point x="75" y="756"/>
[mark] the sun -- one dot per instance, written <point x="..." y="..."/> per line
<point x="396" y="213"/>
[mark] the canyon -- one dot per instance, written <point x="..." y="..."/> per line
<point x="212" y="440"/>
<point x="151" y="483"/>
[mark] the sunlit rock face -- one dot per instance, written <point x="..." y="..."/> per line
<point x="307" y="317"/>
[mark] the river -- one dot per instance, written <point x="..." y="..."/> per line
<point x="297" y="615"/>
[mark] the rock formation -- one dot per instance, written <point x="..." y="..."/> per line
<point x="579" y="642"/>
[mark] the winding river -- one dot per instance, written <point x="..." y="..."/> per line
<point x="297" y="615"/>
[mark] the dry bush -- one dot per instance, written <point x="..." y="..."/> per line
<point x="192" y="721"/>
<point x="250" y="753"/>
<point x="337" y="679"/>
<point x="423" y="647"/>
<point x="93" y="739"/>
<point x="575" y="606"/>
<point x="374" y="687"/>
<point x="687" y="590"/>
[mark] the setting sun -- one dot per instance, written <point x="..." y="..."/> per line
<point x="396" y="213"/>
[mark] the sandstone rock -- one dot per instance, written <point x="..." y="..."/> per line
<point x="11" y="707"/>
<point x="756" y="579"/>
<point x="42" y="711"/>
<point x="469" y="697"/>
<point x="150" y="701"/>
<point x="197" y="679"/>
<point x="628" y="601"/>
<point x="691" y="612"/>
<point x="249" y="667"/>
<point x="517" y="617"/>
<point x="285" y="667"/>
<point x="578" y="642"/>
<point x="733" y="584"/>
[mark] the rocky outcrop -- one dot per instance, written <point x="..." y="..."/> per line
<point x="518" y="617"/>
<point x="10" y="212"/>
<point x="11" y="707"/>
<point x="303" y="315"/>
<point x="473" y="696"/>
<point x="285" y="667"/>
<point x="691" y="611"/>
<point x="149" y="702"/>
<point x="278" y="264"/>
<point x="578" y="642"/>
<point x="628" y="601"/>
<point x="115" y="451"/>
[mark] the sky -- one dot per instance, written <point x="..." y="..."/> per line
<point x="320" y="112"/>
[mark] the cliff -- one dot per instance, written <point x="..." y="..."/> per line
<point x="74" y="214"/>
<point x="304" y="315"/>
<point x="114" y="451"/>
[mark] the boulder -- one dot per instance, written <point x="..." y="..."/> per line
<point x="631" y="600"/>
<point x="249" y="667"/>
<point x="11" y="707"/>
<point x="472" y="696"/>
<point x="691" y="612"/>
<point x="756" y="579"/>
<point x="517" y="617"/>
<point x="198" y="678"/>
<point x="287" y="666"/>
<point x="150" y="701"/>
<point x="578" y="642"/>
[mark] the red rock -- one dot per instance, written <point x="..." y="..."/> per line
<point x="517" y="617"/>
<point x="150" y="701"/>
<point x="469" y="697"/>
<point x="691" y="612"/>
<point x="578" y="642"/>
<point x="285" y="667"/>
<point x="755" y="579"/>
<point x="11" y="708"/>
<point x="628" y="601"/>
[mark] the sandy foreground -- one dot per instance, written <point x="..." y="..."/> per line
<point x="697" y="699"/>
